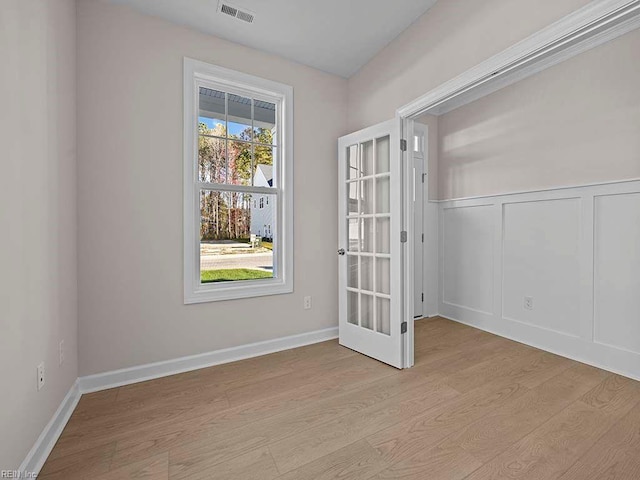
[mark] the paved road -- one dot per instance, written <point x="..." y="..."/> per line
<point x="263" y="261"/>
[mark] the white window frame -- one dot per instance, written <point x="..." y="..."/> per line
<point x="196" y="74"/>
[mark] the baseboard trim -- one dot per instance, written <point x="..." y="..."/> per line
<point x="604" y="357"/>
<point x="150" y="371"/>
<point x="42" y="448"/>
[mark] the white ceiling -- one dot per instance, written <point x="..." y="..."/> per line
<point x="336" y="36"/>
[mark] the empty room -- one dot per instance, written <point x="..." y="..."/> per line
<point x="300" y="240"/>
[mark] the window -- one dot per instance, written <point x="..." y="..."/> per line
<point x="238" y="146"/>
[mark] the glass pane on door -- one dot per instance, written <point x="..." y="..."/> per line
<point x="368" y="186"/>
<point x="352" y="308"/>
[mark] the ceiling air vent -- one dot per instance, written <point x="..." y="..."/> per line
<point x="235" y="12"/>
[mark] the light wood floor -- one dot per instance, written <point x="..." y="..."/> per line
<point x="475" y="406"/>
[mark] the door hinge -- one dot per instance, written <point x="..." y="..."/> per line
<point x="422" y="296"/>
<point x="423" y="238"/>
<point x="423" y="176"/>
<point x="403" y="327"/>
<point x="403" y="236"/>
<point x="403" y="145"/>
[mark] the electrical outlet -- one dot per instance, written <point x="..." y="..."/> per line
<point x="61" y="352"/>
<point x="307" y="303"/>
<point x="528" y="303"/>
<point x="40" y="371"/>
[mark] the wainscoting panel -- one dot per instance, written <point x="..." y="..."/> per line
<point x="467" y="242"/>
<point x="617" y="271"/>
<point x="541" y="262"/>
<point x="556" y="269"/>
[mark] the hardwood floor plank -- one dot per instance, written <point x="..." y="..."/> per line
<point x="615" y="394"/>
<point x="342" y="369"/>
<point x="615" y="456"/>
<point x="80" y="434"/>
<point x="232" y="429"/>
<point x="200" y="411"/>
<point x="254" y="465"/>
<point x="468" y="354"/>
<point x="407" y="438"/>
<point x="296" y="450"/>
<point x="551" y="449"/>
<point x="500" y="428"/>
<point x="85" y="464"/>
<point x="224" y="446"/>
<point x="537" y="367"/>
<point x="436" y="463"/>
<point x="358" y="461"/>
<point x="96" y="402"/>
<point x="154" y="468"/>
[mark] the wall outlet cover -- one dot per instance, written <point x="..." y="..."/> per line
<point x="40" y="373"/>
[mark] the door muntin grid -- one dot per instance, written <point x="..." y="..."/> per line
<point x="368" y="221"/>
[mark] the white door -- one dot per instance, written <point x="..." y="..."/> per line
<point x="370" y="247"/>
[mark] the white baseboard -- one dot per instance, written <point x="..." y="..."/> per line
<point x="102" y="381"/>
<point x="141" y="373"/>
<point x="42" y="448"/>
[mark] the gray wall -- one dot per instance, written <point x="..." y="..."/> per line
<point x="38" y="216"/>
<point x="453" y="36"/>
<point x="573" y="124"/>
<point x="130" y="194"/>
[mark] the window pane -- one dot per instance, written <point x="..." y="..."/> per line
<point x="263" y="166"/>
<point x="353" y="227"/>
<point x="264" y="122"/>
<point x="239" y="165"/>
<point x="383" y="192"/>
<point x="352" y="271"/>
<point x="239" y="117"/>
<point x="383" y="313"/>
<point x="366" y="273"/>
<point x="212" y="163"/>
<point x="366" y="317"/>
<point x="237" y="233"/>
<point x="353" y="190"/>
<point x="211" y="115"/>
<point x="383" y="237"/>
<point x="366" y="205"/>
<point x="383" y="276"/>
<point x="382" y="155"/>
<point x="353" y="162"/>
<point x="367" y="158"/>
<point x="352" y="308"/>
<point x="366" y="235"/>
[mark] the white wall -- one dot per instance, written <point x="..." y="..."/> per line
<point x="38" y="216"/>
<point x="453" y="36"/>
<point x="130" y="194"/>
<point x="574" y="251"/>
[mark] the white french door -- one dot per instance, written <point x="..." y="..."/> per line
<point x="370" y="246"/>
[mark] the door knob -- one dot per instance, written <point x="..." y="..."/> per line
<point x="341" y="251"/>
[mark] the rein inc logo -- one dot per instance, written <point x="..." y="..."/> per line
<point x="17" y="474"/>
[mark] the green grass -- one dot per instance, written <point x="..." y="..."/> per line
<point x="231" y="274"/>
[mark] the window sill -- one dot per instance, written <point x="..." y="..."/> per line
<point x="236" y="290"/>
